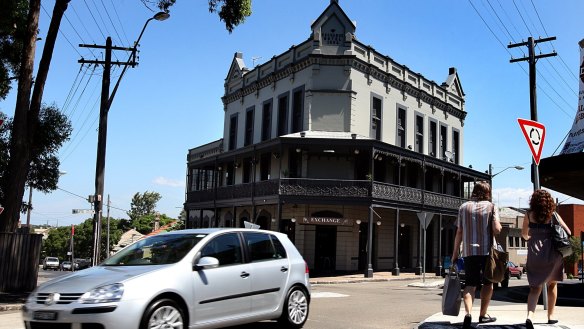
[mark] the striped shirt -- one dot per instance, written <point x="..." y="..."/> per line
<point x="473" y="218"/>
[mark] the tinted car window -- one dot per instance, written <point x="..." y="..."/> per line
<point x="155" y="250"/>
<point x="280" y="250"/>
<point x="261" y="247"/>
<point x="226" y="248"/>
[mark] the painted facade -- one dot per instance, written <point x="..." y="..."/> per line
<point x="341" y="147"/>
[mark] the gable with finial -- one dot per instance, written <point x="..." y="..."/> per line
<point x="452" y="83"/>
<point x="237" y="69"/>
<point x="333" y="27"/>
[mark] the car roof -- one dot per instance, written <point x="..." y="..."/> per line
<point x="215" y="230"/>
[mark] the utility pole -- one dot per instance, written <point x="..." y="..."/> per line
<point x="102" y="138"/>
<point x="107" y="248"/>
<point x="532" y="59"/>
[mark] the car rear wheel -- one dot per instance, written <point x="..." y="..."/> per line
<point x="295" y="312"/>
<point x="163" y="314"/>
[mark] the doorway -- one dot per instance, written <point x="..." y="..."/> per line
<point x="404" y="243"/>
<point x="325" y="249"/>
<point x="363" y="236"/>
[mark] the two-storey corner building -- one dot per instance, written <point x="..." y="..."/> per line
<point x="341" y="147"/>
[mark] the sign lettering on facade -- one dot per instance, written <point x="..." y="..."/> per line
<point x="327" y="221"/>
<point x="330" y="38"/>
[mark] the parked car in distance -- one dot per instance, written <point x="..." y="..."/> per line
<point x="51" y="263"/>
<point x="200" y="278"/>
<point x="66" y="265"/>
<point x="514" y="270"/>
<point x="81" y="264"/>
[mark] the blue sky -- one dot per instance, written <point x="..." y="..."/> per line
<point x="171" y="101"/>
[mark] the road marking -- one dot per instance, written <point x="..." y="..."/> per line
<point x="325" y="294"/>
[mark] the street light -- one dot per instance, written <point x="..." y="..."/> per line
<point x="106" y="101"/>
<point x="159" y="16"/>
<point x="493" y="175"/>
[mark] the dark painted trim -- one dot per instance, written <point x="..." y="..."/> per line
<point x="248" y="294"/>
<point x="94" y="310"/>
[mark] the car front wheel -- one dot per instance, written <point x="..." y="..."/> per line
<point x="163" y="314"/>
<point x="295" y="312"/>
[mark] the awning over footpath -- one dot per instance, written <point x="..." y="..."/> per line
<point x="563" y="173"/>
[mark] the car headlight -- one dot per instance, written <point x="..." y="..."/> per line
<point x="103" y="294"/>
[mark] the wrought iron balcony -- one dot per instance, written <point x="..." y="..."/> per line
<point x="320" y="188"/>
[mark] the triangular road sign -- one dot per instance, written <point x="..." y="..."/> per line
<point x="534" y="133"/>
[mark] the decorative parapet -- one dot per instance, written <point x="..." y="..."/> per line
<point x="204" y="151"/>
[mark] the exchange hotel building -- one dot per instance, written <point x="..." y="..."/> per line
<point x="343" y="149"/>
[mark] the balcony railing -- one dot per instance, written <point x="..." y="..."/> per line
<point x="320" y="188"/>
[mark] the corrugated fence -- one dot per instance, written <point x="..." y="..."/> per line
<point x="19" y="261"/>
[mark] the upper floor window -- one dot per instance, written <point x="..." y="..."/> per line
<point x="401" y="127"/>
<point x="232" y="132"/>
<point x="376" y="104"/>
<point x="456" y="145"/>
<point x="419" y="147"/>
<point x="432" y="142"/>
<point x="443" y="130"/>
<point x="283" y="115"/>
<point x="267" y="120"/>
<point x="297" y="110"/>
<point x="249" y="121"/>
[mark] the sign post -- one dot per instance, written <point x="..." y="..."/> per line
<point x="534" y="133"/>
<point x="425" y="219"/>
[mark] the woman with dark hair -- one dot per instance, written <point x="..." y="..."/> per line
<point x="545" y="264"/>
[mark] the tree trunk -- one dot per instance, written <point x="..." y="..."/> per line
<point x="19" y="148"/>
<point x="26" y="114"/>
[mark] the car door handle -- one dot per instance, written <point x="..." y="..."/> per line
<point x="244" y="275"/>
<point x="284" y="269"/>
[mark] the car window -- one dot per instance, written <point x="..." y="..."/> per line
<point x="226" y="248"/>
<point x="155" y="250"/>
<point x="262" y="247"/>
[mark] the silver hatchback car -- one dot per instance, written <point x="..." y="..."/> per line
<point x="202" y="278"/>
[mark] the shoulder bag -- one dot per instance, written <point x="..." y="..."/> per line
<point x="496" y="263"/>
<point x="560" y="238"/>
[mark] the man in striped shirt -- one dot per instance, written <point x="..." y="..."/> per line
<point x="473" y="233"/>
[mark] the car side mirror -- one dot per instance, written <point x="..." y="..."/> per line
<point x="206" y="263"/>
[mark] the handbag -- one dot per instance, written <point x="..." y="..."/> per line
<point x="496" y="263"/>
<point x="560" y="238"/>
<point x="451" y="295"/>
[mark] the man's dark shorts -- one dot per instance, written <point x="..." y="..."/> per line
<point x="473" y="270"/>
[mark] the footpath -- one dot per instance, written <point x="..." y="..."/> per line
<point x="511" y="315"/>
<point x="569" y="307"/>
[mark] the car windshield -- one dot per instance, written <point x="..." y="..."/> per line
<point x="155" y="250"/>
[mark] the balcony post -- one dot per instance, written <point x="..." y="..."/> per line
<point x="396" y="245"/>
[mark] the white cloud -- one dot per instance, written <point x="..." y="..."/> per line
<point x="168" y="182"/>
<point x="519" y="197"/>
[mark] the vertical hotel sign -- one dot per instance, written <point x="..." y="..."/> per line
<point x="575" y="140"/>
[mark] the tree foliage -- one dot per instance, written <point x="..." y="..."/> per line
<point x="54" y="129"/>
<point x="58" y="243"/>
<point x="12" y="31"/>
<point x="143" y="204"/>
<point x="231" y="12"/>
<point x="577" y="251"/>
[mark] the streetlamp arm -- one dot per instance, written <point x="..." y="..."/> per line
<point x="160" y="17"/>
